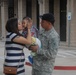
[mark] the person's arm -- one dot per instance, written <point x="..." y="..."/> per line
<point x="22" y="40"/>
<point x="51" y="51"/>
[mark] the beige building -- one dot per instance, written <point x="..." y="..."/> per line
<point x="63" y="10"/>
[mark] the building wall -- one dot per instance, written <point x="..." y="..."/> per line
<point x="20" y="12"/>
<point x="20" y="9"/>
<point x="4" y="18"/>
<point x="57" y="15"/>
<point x="23" y="8"/>
<point x="73" y="24"/>
<point x="46" y="6"/>
<point x="34" y="15"/>
<point x="57" y="19"/>
<point x="6" y="10"/>
<point x="0" y="23"/>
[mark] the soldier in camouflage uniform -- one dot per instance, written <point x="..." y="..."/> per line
<point x="43" y="62"/>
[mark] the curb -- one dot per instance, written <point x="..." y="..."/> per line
<point x="58" y="67"/>
<point x="27" y="63"/>
<point x="65" y="67"/>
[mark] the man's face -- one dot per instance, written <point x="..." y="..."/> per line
<point x="44" y="24"/>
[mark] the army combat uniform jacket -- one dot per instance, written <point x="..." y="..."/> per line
<point x="45" y="58"/>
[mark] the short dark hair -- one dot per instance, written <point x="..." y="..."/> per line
<point x="12" y="25"/>
<point x="48" y="17"/>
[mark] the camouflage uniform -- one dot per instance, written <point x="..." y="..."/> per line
<point x="45" y="58"/>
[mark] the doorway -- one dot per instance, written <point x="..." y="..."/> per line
<point x="63" y="6"/>
<point x="29" y="8"/>
<point x="51" y="6"/>
<point x="37" y="12"/>
<point x="10" y="8"/>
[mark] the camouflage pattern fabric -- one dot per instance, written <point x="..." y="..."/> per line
<point x="45" y="58"/>
<point x="36" y="72"/>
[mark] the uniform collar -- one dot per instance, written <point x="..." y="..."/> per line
<point x="46" y="33"/>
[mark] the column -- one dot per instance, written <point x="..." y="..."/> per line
<point x="20" y="9"/>
<point x="3" y="21"/>
<point x="69" y="20"/>
<point x="0" y="23"/>
<point x="45" y="6"/>
<point x="40" y="6"/>
<point x="40" y="10"/>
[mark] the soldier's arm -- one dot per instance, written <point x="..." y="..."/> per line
<point x="52" y="49"/>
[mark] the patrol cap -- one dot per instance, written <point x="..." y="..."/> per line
<point x="48" y="17"/>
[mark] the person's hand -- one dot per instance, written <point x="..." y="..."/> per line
<point x="29" y="25"/>
<point x="34" y="48"/>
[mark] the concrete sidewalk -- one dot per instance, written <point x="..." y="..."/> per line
<point x="66" y="57"/>
<point x="65" y="60"/>
<point x="65" y="63"/>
